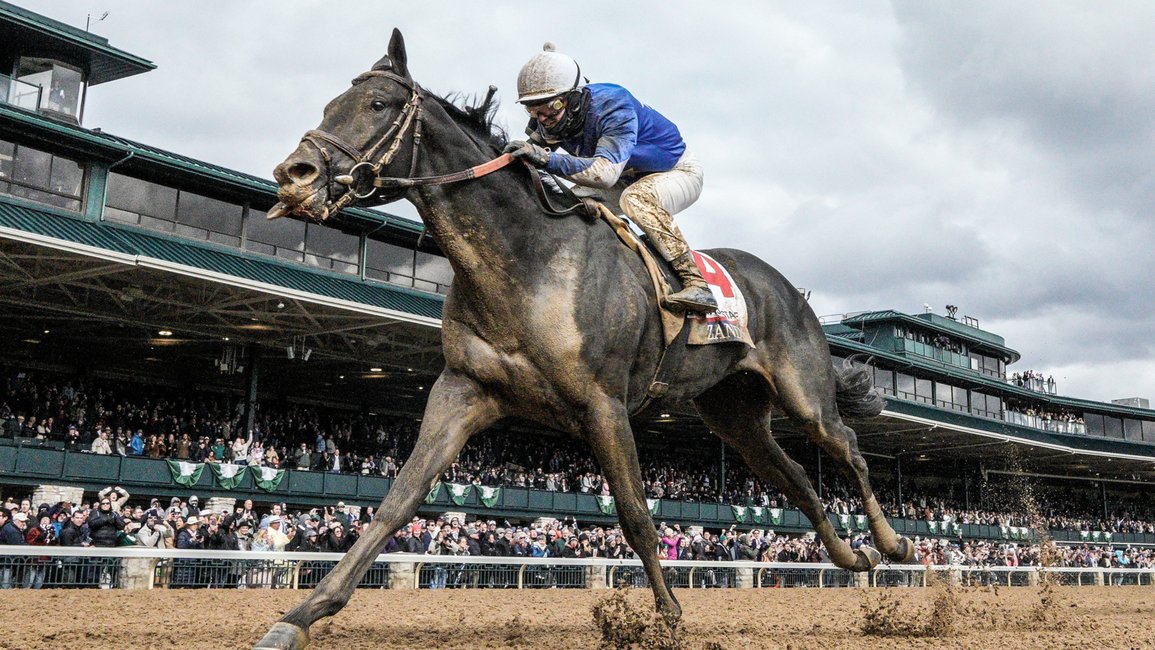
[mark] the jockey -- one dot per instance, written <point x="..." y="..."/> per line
<point x="620" y="151"/>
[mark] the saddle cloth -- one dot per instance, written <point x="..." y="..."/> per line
<point x="726" y="325"/>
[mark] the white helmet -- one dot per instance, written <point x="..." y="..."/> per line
<point x="548" y="74"/>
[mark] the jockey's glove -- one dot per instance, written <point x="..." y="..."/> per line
<point x="528" y="151"/>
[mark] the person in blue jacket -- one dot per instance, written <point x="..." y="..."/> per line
<point x="617" y="150"/>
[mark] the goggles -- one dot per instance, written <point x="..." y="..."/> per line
<point x="546" y="108"/>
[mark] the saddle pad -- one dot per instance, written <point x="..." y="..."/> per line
<point x="728" y="323"/>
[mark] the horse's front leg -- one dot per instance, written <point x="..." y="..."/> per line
<point x="457" y="409"/>
<point x="607" y="428"/>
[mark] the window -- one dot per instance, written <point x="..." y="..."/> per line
<point x="329" y="248"/>
<point x="1148" y="431"/>
<point x="39" y="176"/>
<point x="1133" y="430"/>
<point x="1094" y="424"/>
<point x="201" y="217"/>
<point x="284" y="238"/>
<point x="134" y="201"/>
<point x="1113" y="427"/>
<point x="884" y="379"/>
<point x="905" y="386"/>
<point x="433" y="273"/>
<point x="923" y="391"/>
<point x="61" y="86"/>
<point x="388" y="263"/>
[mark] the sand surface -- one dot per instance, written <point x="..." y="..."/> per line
<point x="1083" y="618"/>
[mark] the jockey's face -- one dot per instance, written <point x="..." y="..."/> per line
<point x="547" y="113"/>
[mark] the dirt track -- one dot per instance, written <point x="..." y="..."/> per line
<point x="1088" y="618"/>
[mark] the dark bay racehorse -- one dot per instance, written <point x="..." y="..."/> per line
<point x="555" y="321"/>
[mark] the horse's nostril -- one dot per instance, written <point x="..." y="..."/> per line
<point x="302" y="172"/>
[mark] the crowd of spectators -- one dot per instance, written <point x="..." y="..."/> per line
<point x="114" y="519"/>
<point x="105" y="415"/>
<point x="1034" y="380"/>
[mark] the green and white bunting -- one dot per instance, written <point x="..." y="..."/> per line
<point x="1005" y="531"/>
<point x="228" y="475"/>
<point x="844" y="521"/>
<point x="606" y="504"/>
<point x="933" y="526"/>
<point x="1107" y="536"/>
<point x="652" y="504"/>
<point x="775" y="515"/>
<point x="434" y="492"/>
<point x="488" y="495"/>
<point x="268" y="478"/>
<point x="1096" y="534"/>
<point x="1084" y="534"/>
<point x="758" y="514"/>
<point x="458" y="493"/>
<point x="739" y="513"/>
<point x="860" y="522"/>
<point x="956" y="528"/>
<point x="184" y="473"/>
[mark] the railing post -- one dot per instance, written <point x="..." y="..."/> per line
<point x="862" y="579"/>
<point x="595" y="577"/>
<point x="137" y="573"/>
<point x="402" y="575"/>
<point x="744" y="577"/>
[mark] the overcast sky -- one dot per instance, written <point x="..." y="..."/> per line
<point x="884" y="155"/>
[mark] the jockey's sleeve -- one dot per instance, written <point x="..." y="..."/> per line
<point x="617" y="134"/>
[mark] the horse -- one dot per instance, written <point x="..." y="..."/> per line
<point x="552" y="320"/>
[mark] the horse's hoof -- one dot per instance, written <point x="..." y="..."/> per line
<point x="868" y="558"/>
<point x="903" y="551"/>
<point x="283" y="636"/>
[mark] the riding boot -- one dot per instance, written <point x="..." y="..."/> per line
<point x="695" y="294"/>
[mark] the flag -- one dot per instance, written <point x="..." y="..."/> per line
<point x="268" y="478"/>
<point x="776" y="515"/>
<point x="605" y="504"/>
<point x="758" y="514"/>
<point x="739" y="513"/>
<point x="184" y="473"/>
<point x="433" y="493"/>
<point x="488" y="495"/>
<point x="458" y="493"/>
<point x="228" y="475"/>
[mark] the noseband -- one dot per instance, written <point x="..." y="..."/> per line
<point x="367" y="167"/>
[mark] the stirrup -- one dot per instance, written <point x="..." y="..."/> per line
<point x="693" y="299"/>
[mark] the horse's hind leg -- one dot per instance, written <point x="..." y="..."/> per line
<point x="738" y="411"/>
<point x="809" y="398"/>
<point x="607" y="429"/>
<point x="457" y="409"/>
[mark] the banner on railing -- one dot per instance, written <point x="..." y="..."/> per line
<point x="458" y="492"/>
<point x="739" y="513"/>
<point x="489" y="496"/>
<point x="758" y="514"/>
<point x="228" y="475"/>
<point x="860" y="521"/>
<point x="775" y="515"/>
<point x="606" y="504"/>
<point x="433" y="493"/>
<point x="268" y="478"/>
<point x="652" y="504"/>
<point x="185" y="473"/>
<point x="844" y="520"/>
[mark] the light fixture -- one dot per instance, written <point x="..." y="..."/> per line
<point x="226" y="338"/>
<point x="308" y="353"/>
<point x="280" y="305"/>
<point x="165" y="332"/>
<point x="340" y="376"/>
<point x="291" y="352"/>
<point x="374" y="370"/>
<point x="47" y="331"/>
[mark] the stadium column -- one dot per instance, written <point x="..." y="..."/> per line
<point x="54" y="494"/>
<point x="252" y="379"/>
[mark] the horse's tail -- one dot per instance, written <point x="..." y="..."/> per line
<point x="855" y="393"/>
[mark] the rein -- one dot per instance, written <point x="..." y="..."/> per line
<point x="366" y="171"/>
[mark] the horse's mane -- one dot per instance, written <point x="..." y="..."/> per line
<point x="477" y="118"/>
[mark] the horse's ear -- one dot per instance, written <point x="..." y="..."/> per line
<point x="397" y="53"/>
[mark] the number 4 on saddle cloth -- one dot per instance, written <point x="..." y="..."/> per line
<point x="727" y="324"/>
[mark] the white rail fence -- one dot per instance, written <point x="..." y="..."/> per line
<point x="141" y="568"/>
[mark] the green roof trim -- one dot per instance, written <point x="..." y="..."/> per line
<point x="105" y="63"/>
<point x="974" y="335"/>
<point x="154" y="247"/>
<point x="113" y="148"/>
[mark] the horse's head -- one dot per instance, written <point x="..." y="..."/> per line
<point x="360" y="135"/>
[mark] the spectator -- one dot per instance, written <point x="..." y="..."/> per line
<point x="104" y="524"/>
<point x="100" y="445"/>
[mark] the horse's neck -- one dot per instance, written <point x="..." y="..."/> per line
<point x="491" y="229"/>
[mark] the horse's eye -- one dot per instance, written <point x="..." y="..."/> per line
<point x="377" y="105"/>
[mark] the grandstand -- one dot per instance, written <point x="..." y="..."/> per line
<point x="149" y="277"/>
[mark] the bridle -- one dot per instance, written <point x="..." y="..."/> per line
<point x="363" y="179"/>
